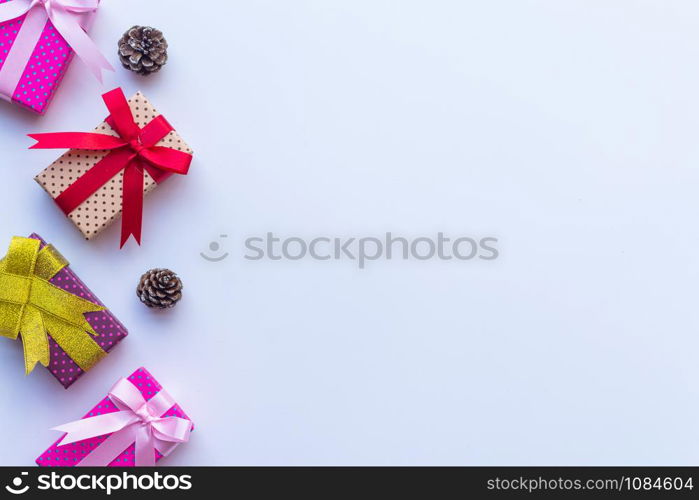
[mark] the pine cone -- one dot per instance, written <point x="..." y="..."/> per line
<point x="160" y="288"/>
<point x="143" y="49"/>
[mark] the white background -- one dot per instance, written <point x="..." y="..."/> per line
<point x="569" y="130"/>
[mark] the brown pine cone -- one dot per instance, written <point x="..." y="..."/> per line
<point x="160" y="288"/>
<point x="143" y="49"/>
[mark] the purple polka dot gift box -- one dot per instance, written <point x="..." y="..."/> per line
<point x="35" y="52"/>
<point x="61" y="324"/>
<point x="137" y="424"/>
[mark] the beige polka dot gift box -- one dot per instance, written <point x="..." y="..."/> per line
<point x="107" y="173"/>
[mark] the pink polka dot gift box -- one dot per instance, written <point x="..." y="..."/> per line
<point x="38" y="39"/>
<point x="137" y="424"/>
<point x="61" y="324"/>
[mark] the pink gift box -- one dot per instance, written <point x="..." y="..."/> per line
<point x="45" y="67"/>
<point x="70" y="454"/>
<point x="109" y="329"/>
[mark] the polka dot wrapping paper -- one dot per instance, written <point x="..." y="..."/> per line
<point x="109" y="329"/>
<point x="71" y="454"/>
<point x="104" y="206"/>
<point x="45" y="68"/>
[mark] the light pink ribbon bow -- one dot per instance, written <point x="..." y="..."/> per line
<point x="139" y="421"/>
<point x="69" y="17"/>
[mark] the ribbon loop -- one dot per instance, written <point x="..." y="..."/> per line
<point x="35" y="308"/>
<point x="120" y="117"/>
<point x="133" y="151"/>
<point x="138" y="421"/>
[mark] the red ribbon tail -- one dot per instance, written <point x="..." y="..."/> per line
<point x="132" y="203"/>
<point x="76" y="140"/>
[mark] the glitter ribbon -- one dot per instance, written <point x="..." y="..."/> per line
<point x="37" y="309"/>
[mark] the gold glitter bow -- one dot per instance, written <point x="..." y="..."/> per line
<point x="32" y="306"/>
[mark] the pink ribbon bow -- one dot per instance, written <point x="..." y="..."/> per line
<point x="139" y="421"/>
<point x="69" y="17"/>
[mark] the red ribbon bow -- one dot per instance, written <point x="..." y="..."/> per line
<point x="133" y="151"/>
